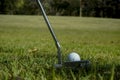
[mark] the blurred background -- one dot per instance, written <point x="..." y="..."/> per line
<point x="85" y="8"/>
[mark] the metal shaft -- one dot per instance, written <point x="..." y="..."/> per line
<point x="52" y="32"/>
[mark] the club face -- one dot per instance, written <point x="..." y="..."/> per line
<point x="77" y="64"/>
<point x="74" y="64"/>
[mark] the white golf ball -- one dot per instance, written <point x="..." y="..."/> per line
<point x="73" y="57"/>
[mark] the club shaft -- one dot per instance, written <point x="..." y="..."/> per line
<point x="51" y="31"/>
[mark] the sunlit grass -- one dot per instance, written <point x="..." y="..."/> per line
<point x="27" y="49"/>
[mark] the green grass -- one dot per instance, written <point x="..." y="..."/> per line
<point x="27" y="50"/>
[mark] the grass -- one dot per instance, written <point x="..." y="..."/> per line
<point x="27" y="50"/>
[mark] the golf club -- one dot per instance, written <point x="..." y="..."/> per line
<point x="60" y="64"/>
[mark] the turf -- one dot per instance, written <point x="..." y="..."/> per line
<point x="27" y="50"/>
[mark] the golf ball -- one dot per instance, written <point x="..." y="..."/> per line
<point x="73" y="57"/>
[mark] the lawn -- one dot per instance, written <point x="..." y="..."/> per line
<point x="28" y="52"/>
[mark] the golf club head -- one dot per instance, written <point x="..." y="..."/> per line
<point x="77" y="64"/>
<point x="74" y="64"/>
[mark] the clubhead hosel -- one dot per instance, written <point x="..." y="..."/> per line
<point x="59" y="53"/>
